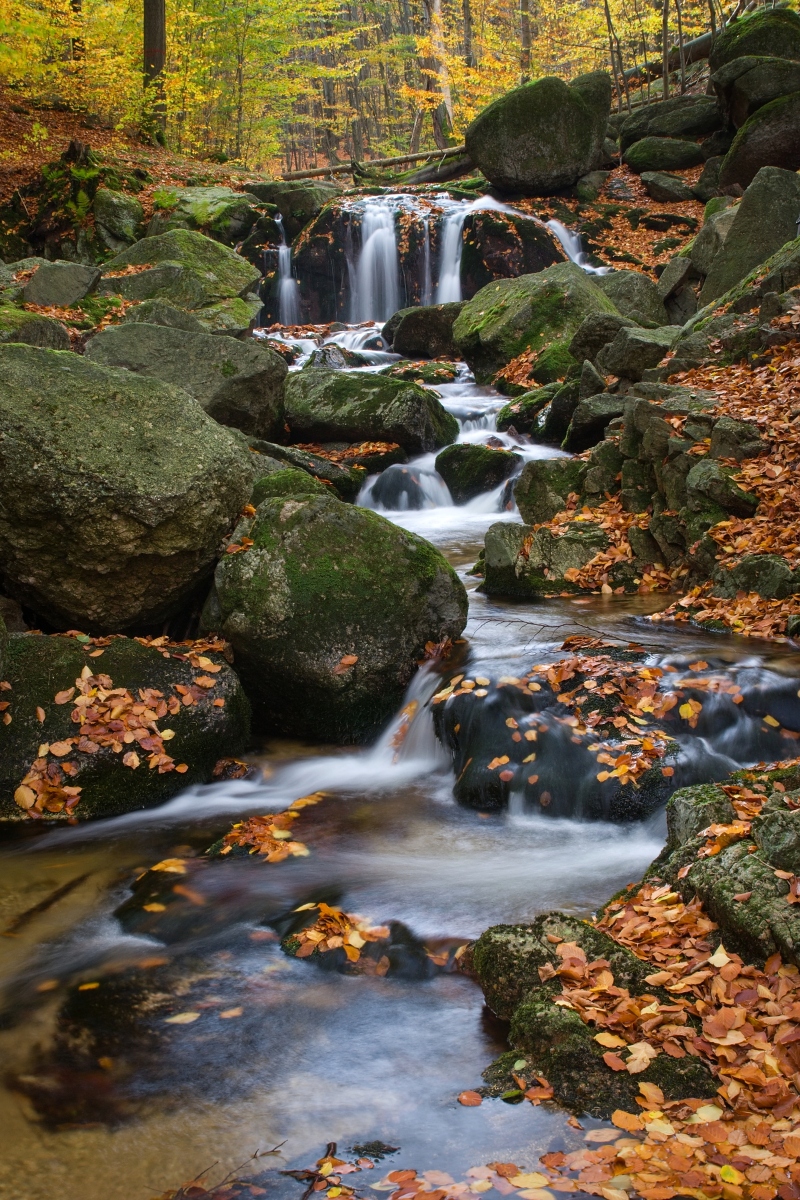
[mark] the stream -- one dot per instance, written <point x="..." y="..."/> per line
<point x="305" y="1056"/>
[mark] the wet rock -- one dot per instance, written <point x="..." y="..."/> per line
<point x="286" y="481"/>
<point x="544" y="486"/>
<point x="328" y="613"/>
<point x="298" y="201"/>
<point x="469" y="469"/>
<point x="390" y="328"/>
<point x="595" y="332"/>
<point x="158" y="312"/>
<point x="521" y="412"/>
<point x="662" y="154"/>
<point x="118" y="218"/>
<point x="590" y="421"/>
<point x="691" y="810"/>
<point x="708" y="481"/>
<point x="39" y="668"/>
<point x="746" y="84"/>
<point x="665" y="189"/>
<point x="765" y="219"/>
<point x="776" y="832"/>
<point x="634" y="295"/>
<point x="544" y="559"/>
<point x="504" y="542"/>
<point x="401" y="488"/>
<point x="325" y="406"/>
<point x="768" y="574"/>
<point x="427" y="332"/>
<point x="542" y="136"/>
<point x="633" y="351"/>
<point x="123" y="490"/>
<point x="774" y="32"/>
<point x="678" y="117"/>
<point x="770" y="138"/>
<point x="346" y="482"/>
<point x="535" y="312"/>
<point x="17" y="325"/>
<point x="553" y="422"/>
<point x="236" y="383"/>
<point x="422" y="372"/>
<point x="500" y="245"/>
<point x="60" y="284"/>
<point x="336" y="358"/>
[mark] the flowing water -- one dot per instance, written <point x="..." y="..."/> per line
<point x="310" y="1056"/>
<point x="288" y="294"/>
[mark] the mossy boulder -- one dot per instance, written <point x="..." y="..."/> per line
<point x="678" y="117"/>
<point x="117" y="217"/>
<point x="328" y="612"/>
<point x="540" y="312"/>
<point x="427" y="332"/>
<point x="544" y="485"/>
<point x="526" y="563"/>
<point x="634" y="295"/>
<point x="298" y="200"/>
<point x="286" y="481"/>
<point x="17" y="325"/>
<point x="220" y="212"/>
<point x="328" y="406"/>
<point x="522" y="411"/>
<point x="764" y="220"/>
<point x="159" y="312"/>
<point x="422" y="372"/>
<point x="237" y="383"/>
<point x="502" y="245"/>
<point x="469" y="469"/>
<point x="542" y="136"/>
<point x="210" y="271"/>
<point x="590" y="420"/>
<point x="634" y="351"/>
<point x="345" y="482"/>
<point x="774" y="32"/>
<point x="707" y="245"/>
<point x="770" y="138"/>
<point x="662" y="154"/>
<point x="746" y="84"/>
<point x="39" y="668"/>
<point x="666" y="189"/>
<point x="123" y="490"/>
<point x="60" y="284"/>
<point x="709" y="482"/>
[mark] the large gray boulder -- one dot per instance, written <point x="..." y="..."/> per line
<point x="60" y="284"/>
<point x="469" y="469"/>
<point x="542" y="136"/>
<point x="544" y="486"/>
<point x="237" y="383"/>
<point x="770" y="138"/>
<point x="117" y="218"/>
<point x="634" y="295"/>
<point x="746" y="84"/>
<point x="634" y="351"/>
<point x="427" y="332"/>
<point x="710" y="240"/>
<point x="662" y="154"/>
<point x="222" y="213"/>
<point x="773" y="32"/>
<point x="330" y="406"/>
<point x="764" y="221"/>
<point x="666" y="189"/>
<point x="158" y="312"/>
<point x="19" y="325"/>
<point x="680" y="117"/>
<point x="122" y="490"/>
<point x="328" y="612"/>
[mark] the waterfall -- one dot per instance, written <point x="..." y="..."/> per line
<point x="449" y="286"/>
<point x="573" y="248"/>
<point x="375" y="290"/>
<point x="288" y="295"/>
<point x="427" y="282"/>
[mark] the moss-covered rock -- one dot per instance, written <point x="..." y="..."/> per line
<point x="590" y="420"/>
<point x="770" y="138"/>
<point x="123" y="490"/>
<point x="422" y="372"/>
<point x="544" y="485"/>
<point x="595" y="332"/>
<point x="298" y="200"/>
<point x="328" y="612"/>
<point x="60" y="284"/>
<point x="39" y="668"/>
<point x="159" y="312"/>
<point x="118" y="218"/>
<point x="746" y="84"/>
<point x="237" y="383"/>
<point x="17" y="325"/>
<point x="542" y="136"/>
<point x="708" y="481"/>
<point x="427" y="332"/>
<point x="327" y="406"/>
<point x="678" y="117"/>
<point x="539" y="312"/>
<point x="287" y="481"/>
<point x="469" y="469"/>
<point x="666" y="189"/>
<point x="345" y="482"/>
<point x="214" y="271"/>
<point x="521" y="562"/>
<point x="219" y="212"/>
<point x="522" y="411"/>
<point x="662" y="154"/>
<point x="773" y="32"/>
<point x="502" y="245"/>
<point x="634" y="351"/>
<point x="634" y="295"/>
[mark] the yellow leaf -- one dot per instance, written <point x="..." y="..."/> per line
<point x="719" y="958"/>
<point x="776" y="725"/>
<point x="173" y="866"/>
<point x="731" y="1175"/>
<point x="229" y="1013"/>
<point x="184" y="1018"/>
<point x="529" y="1179"/>
<point x="609" y="1040"/>
<point x="155" y="907"/>
<point x="25" y="797"/>
<point x="686" y="711"/>
<point x="536" y="1194"/>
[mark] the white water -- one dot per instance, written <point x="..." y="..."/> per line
<point x="573" y="248"/>
<point x="288" y="290"/>
<point x="375" y="283"/>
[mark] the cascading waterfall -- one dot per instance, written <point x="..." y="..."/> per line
<point x="288" y="293"/>
<point x="375" y="282"/>
<point x="572" y="246"/>
<point x="427" y="280"/>
<point x="449" y="286"/>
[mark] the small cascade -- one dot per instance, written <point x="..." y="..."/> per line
<point x="572" y="246"/>
<point x="449" y="286"/>
<point x="375" y="280"/>
<point x="427" y="279"/>
<point x="288" y="292"/>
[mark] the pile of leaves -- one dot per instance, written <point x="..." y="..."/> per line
<point x="335" y="929"/>
<point x="345" y="457"/>
<point x="413" y="371"/>
<point x="270" y="835"/>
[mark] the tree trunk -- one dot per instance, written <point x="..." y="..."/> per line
<point x="155" y="56"/>
<point x="469" y="53"/>
<point x="617" y="84"/>
<point x="525" y="40"/>
<point x="680" y="46"/>
<point x="416" y="131"/>
<point x="77" y="44"/>
<point x="665" y="49"/>
<point x="433" y="9"/>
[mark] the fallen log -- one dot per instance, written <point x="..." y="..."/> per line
<point x="357" y="168"/>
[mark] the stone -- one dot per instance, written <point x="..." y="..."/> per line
<point x="591" y="383"/>
<point x="553" y="422"/>
<point x="231" y="318"/>
<point x="38" y="667"/>
<point x="540" y="312"/>
<point x="746" y="84"/>
<point x="470" y="468"/>
<point x="690" y="810"/>
<point x="708" y="183"/>
<point x="638" y="486"/>
<point x="590" y="421"/>
<point x="220" y="212"/>
<point x="634" y="295"/>
<point x="767" y="574"/>
<point x="346" y="482"/>
<point x="159" y="312"/>
<point x="544" y="485"/>
<point x="710" y="240"/>
<point x="770" y="138"/>
<point x="520" y="413"/>
<point x="542" y="136"/>
<point x="662" y="154"/>
<point x="503" y="543"/>
<point x="286" y="481"/>
<point x="60" y="284"/>
<point x="666" y="189"/>
<point x="17" y="325"/>
<point x="10" y="287"/>
<point x="427" y="332"/>
<point x="678" y="117"/>
<point x="210" y="272"/>
<point x="327" y="406"/>
<point x="390" y="328"/>
<point x="675" y="274"/>
<point x="336" y="358"/>
<point x="123" y="491"/>
<point x="299" y="201"/>
<point x="602" y="478"/>
<point x="735" y="439"/>
<point x="502" y="245"/>
<point x="765" y="219"/>
<point x="634" y="350"/>
<point x="589" y="186"/>
<point x="776" y="832"/>
<point x="117" y="217"/>
<point x="237" y="383"/>
<point x="328" y="613"/>
<point x="595" y="332"/>
<point x="708" y="481"/>
<point x="644" y="546"/>
<point x="772" y="32"/>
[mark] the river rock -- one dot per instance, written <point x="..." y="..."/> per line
<point x="634" y="295"/>
<point x="17" y="325"/>
<point x="708" y="481"/>
<point x="390" y="328"/>
<point x="237" y="383"/>
<point x="345" y="482"/>
<point x="327" y="406"/>
<point x="771" y="137"/>
<point x="770" y="575"/>
<point x="60" y="284"/>
<point x="123" y="490"/>
<point x="502" y="245"/>
<point x="633" y="351"/>
<point x="286" y="481"/>
<point x="298" y="200"/>
<point x="544" y="486"/>
<point x="678" y="117"/>
<point x="542" y="136"/>
<point x="535" y="312"/>
<point x="470" y="468"/>
<point x="328" y="612"/>
<point x="158" y="312"/>
<point x="520" y="413"/>
<point x="772" y="32"/>
<point x="746" y="84"/>
<point x="765" y="220"/>
<point x="117" y="217"/>
<point x="37" y="750"/>
<point x="662" y="154"/>
<point x="427" y="332"/>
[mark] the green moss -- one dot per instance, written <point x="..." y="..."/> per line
<point x="223" y="273"/>
<point x="288" y="482"/>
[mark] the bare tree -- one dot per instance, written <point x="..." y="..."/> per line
<point x="665" y="49"/>
<point x="155" y="57"/>
<point x="525" y="40"/>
